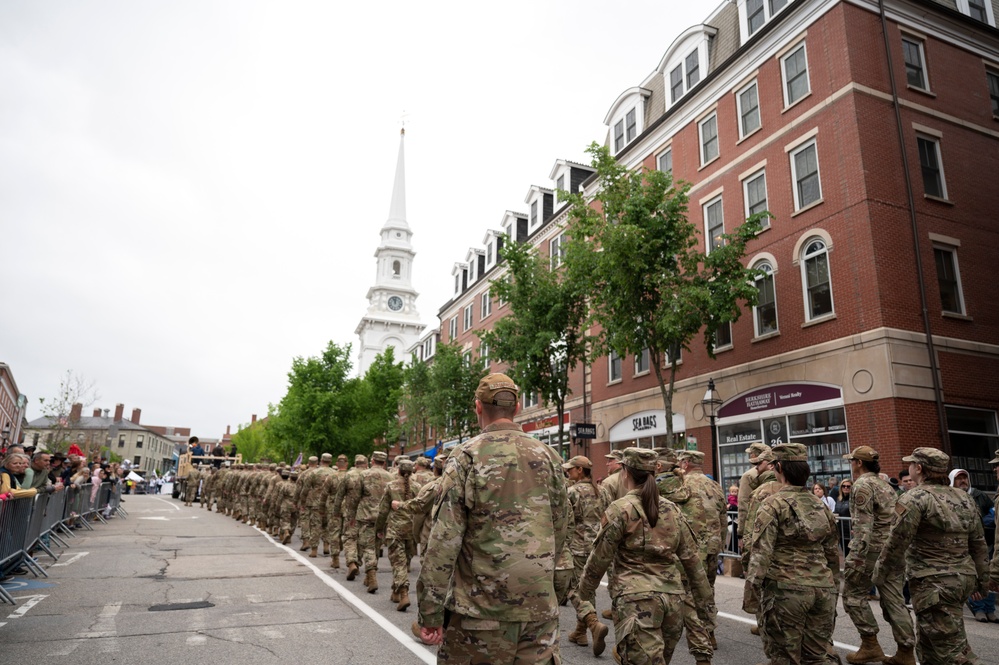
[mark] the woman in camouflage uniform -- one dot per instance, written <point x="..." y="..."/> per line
<point x="644" y="537"/>
<point x="397" y="525"/>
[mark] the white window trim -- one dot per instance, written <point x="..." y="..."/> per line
<point x="707" y="232"/>
<point x="484" y="355"/>
<point x="490" y="254"/>
<point x="669" y="149"/>
<point x="935" y="140"/>
<point x="738" y="105"/>
<point x="644" y="372"/>
<point x="700" y="137"/>
<point x="486" y="306"/>
<point x="467" y="317"/>
<point x="921" y="42"/>
<point x="555" y="251"/>
<point x="794" y="175"/>
<point x="681" y="61"/>
<point x="964" y="8"/>
<point x="783" y="74"/>
<point x="957" y="274"/>
<point x="453" y="328"/>
<point x="745" y="191"/>
<point x="731" y="343"/>
<point x="756" y="319"/>
<point x="610" y="366"/>
<point x="530" y="400"/>
<point x="804" y="278"/>
<point x="744" y="19"/>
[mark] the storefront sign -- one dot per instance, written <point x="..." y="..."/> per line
<point x="545" y="423"/>
<point x="645" y="424"/>
<point x="780" y="396"/>
<point x="585" y="431"/>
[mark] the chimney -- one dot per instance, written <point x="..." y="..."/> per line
<point x="227" y="428"/>
<point x="75" y="413"/>
<point x="135" y="415"/>
<point x="253" y="418"/>
<point x="97" y="413"/>
<point x="119" y="409"/>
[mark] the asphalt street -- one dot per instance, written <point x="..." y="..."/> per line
<point x="175" y="583"/>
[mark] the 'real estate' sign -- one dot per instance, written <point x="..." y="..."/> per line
<point x="780" y="396"/>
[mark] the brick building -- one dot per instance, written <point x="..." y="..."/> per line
<point x="875" y="324"/>
<point x="13" y="405"/>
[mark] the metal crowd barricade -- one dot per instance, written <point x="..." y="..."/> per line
<point x="15" y="516"/>
<point x="844" y="526"/>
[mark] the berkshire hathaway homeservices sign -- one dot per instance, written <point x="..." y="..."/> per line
<point x="782" y="396"/>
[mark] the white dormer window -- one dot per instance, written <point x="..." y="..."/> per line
<point x="626" y="117"/>
<point x="754" y="14"/>
<point x="686" y="61"/>
<point x="980" y="10"/>
<point x="535" y="218"/>
<point x="457" y="284"/>
<point x="560" y="183"/>
<point x="490" y="254"/>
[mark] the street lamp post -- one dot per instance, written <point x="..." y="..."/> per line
<point x="5" y="436"/>
<point x="403" y="440"/>
<point x="711" y="402"/>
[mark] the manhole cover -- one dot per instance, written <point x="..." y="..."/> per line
<point x="169" y="607"/>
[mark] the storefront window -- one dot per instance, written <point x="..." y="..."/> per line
<point x="653" y="442"/>
<point x="973" y="439"/>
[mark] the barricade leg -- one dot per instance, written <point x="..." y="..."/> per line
<point x="59" y="541"/>
<point x="39" y="543"/>
<point x="32" y="565"/>
<point x="7" y="598"/>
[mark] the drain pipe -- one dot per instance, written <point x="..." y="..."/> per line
<point x="927" y="330"/>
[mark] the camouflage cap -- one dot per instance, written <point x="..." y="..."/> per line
<point x="341" y="458"/>
<point x="293" y="474"/>
<point x="424" y="461"/>
<point x="863" y="453"/>
<point x="313" y="459"/>
<point x="790" y="452"/>
<point x="755" y="450"/>
<point x="360" y="459"/>
<point x="578" y="461"/>
<point x="327" y="457"/>
<point x="766" y="456"/>
<point x="273" y="467"/>
<point x="995" y="460"/>
<point x="493" y="384"/>
<point x="642" y="459"/>
<point x="616" y="455"/>
<point x="379" y="456"/>
<point x="932" y="459"/>
<point x="404" y="464"/>
<point x="285" y="472"/>
<point x="691" y="456"/>
<point x="667" y="457"/>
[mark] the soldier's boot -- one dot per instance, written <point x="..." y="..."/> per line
<point x="903" y="656"/>
<point x="755" y="630"/>
<point x="403" y="599"/>
<point x="395" y="595"/>
<point x="371" y="580"/>
<point x="598" y="631"/>
<point x="313" y="553"/>
<point x="607" y="614"/>
<point x="351" y="571"/>
<point x="304" y="546"/>
<point x="578" y="636"/>
<point x="326" y="548"/>
<point x="415" y="629"/>
<point x="714" y="642"/>
<point x="617" y="656"/>
<point x="870" y="651"/>
<point x="286" y="538"/>
<point x="335" y="561"/>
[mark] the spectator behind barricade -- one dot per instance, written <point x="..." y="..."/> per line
<point x="984" y="609"/>
<point x="80" y="478"/>
<point x="842" y="511"/>
<point x="12" y="476"/>
<point x="37" y="474"/>
<point x="57" y="464"/>
<point x="733" y="497"/>
<point x="195" y="448"/>
<point x="906" y="481"/>
<point x="832" y="489"/>
<point x="819" y="491"/>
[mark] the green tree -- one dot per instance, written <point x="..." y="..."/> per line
<point x="543" y="337"/>
<point x="256" y="442"/>
<point x="650" y="286"/>
<point x="453" y="380"/>
<point x="73" y="389"/>
<point x="373" y="417"/>
<point x="416" y="402"/>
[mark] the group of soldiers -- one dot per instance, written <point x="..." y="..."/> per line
<point x="361" y="510"/>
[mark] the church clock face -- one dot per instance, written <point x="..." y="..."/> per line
<point x="395" y="303"/>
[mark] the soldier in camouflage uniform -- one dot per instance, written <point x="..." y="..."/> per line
<point x="207" y="491"/>
<point x="767" y="484"/>
<point x="315" y="503"/>
<point x="301" y="493"/>
<point x="587" y="510"/>
<point x="872" y="505"/>
<point x="610" y="487"/>
<point x="363" y="499"/>
<point x="794" y="566"/>
<point x="333" y="536"/>
<point x="285" y="497"/>
<point x="649" y="542"/>
<point x="341" y="505"/>
<point x="501" y="524"/>
<point x="191" y="485"/>
<point x="397" y="525"/>
<point x="707" y="512"/>
<point x="936" y="533"/>
<point x="747" y="484"/>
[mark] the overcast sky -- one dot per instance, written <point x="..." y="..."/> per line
<point x="191" y="192"/>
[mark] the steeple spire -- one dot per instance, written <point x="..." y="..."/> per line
<point x="397" y="210"/>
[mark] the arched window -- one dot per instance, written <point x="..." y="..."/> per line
<point x="815" y="279"/>
<point x="765" y="311"/>
<point x="396" y="268"/>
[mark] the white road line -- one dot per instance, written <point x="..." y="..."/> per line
<point x="752" y="622"/>
<point x="172" y="505"/>
<point x="66" y="650"/>
<point x="23" y="609"/>
<point x="402" y="638"/>
<point x="104" y="628"/>
<point x="272" y="633"/>
<point x="73" y="559"/>
<point x="196" y="641"/>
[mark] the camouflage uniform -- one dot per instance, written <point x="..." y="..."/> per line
<point x="397" y="525"/>
<point x="285" y="496"/>
<point x="208" y="488"/>
<point x="333" y="536"/>
<point x="315" y="501"/>
<point x="747" y="485"/>
<point x="794" y="569"/>
<point x="872" y="504"/>
<point x="707" y="512"/>
<point x="936" y="533"/>
<point x="191" y="485"/>
<point x="364" y="497"/>
<point x="648" y="586"/>
<point x="342" y="505"/>
<point x="302" y="486"/>
<point x="610" y="489"/>
<point x="586" y="513"/>
<point x="768" y="485"/>
<point x="501" y="522"/>
<point x="994" y="566"/>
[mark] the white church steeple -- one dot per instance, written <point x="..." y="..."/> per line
<point x="391" y="319"/>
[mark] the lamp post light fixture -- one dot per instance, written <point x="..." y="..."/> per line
<point x="5" y="435"/>
<point x="711" y="403"/>
<point x="403" y="440"/>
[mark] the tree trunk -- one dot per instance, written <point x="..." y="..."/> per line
<point x="667" y="394"/>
